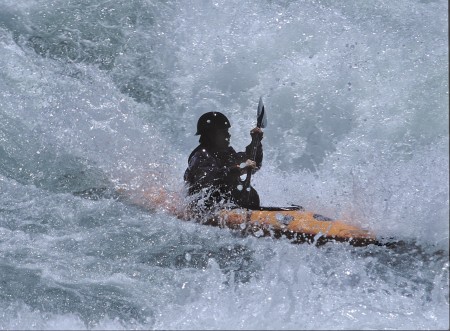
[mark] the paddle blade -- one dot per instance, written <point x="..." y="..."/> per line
<point x="261" y="115"/>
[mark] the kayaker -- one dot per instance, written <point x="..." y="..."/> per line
<point x="214" y="167"/>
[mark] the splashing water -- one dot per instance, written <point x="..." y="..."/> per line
<point x="100" y="96"/>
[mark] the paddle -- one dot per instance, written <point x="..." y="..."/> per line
<point x="261" y="122"/>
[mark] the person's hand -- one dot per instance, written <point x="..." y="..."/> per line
<point x="256" y="133"/>
<point x="249" y="164"/>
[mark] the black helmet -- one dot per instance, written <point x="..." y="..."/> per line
<point x="212" y="120"/>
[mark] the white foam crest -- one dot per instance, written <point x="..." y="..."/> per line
<point x="404" y="199"/>
<point x="374" y="151"/>
<point x="309" y="288"/>
<point x="77" y="110"/>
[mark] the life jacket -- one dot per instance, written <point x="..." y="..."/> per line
<point x="214" y="179"/>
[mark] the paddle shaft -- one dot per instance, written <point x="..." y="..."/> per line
<point x="256" y="141"/>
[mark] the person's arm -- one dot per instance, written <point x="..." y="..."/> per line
<point x="257" y="136"/>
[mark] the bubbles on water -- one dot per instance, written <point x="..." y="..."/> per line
<point x="98" y="95"/>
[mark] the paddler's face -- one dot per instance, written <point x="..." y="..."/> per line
<point x="221" y="138"/>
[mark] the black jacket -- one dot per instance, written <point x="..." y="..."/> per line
<point x="214" y="178"/>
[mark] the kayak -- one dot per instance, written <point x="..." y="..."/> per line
<point x="292" y="223"/>
<point x="295" y="224"/>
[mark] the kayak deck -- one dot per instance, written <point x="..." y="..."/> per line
<point x="297" y="225"/>
<point x="293" y="223"/>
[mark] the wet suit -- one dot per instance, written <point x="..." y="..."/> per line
<point x="213" y="177"/>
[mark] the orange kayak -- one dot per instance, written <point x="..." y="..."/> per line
<point x="297" y="225"/>
<point x="292" y="223"/>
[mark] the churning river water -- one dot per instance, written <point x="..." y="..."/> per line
<point x="101" y="95"/>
